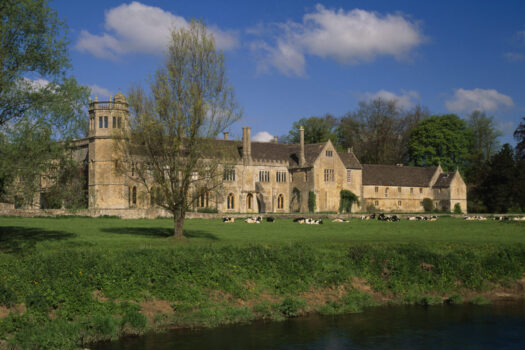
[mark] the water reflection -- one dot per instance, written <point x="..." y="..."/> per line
<point x="442" y="327"/>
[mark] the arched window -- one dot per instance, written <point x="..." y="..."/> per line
<point x="280" y="202"/>
<point x="203" y="199"/>
<point x="249" y="201"/>
<point x="134" y="196"/>
<point x="231" y="201"/>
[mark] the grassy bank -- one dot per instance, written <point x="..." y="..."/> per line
<point x="65" y="282"/>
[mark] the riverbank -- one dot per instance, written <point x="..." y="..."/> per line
<point x="65" y="283"/>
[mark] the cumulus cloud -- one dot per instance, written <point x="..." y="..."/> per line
<point x="348" y="37"/>
<point x="487" y="100"/>
<point x="100" y="91"/>
<point x="263" y="136"/>
<point x="405" y="100"/>
<point x="139" y="28"/>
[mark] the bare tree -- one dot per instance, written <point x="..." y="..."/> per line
<point x="169" y="147"/>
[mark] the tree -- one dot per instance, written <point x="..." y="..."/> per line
<point x="378" y="131"/>
<point x="497" y="189"/>
<point x="439" y="140"/>
<point x="316" y="129"/>
<point x="170" y="139"/>
<point x="347" y="199"/>
<point x="38" y="100"/>
<point x="484" y="136"/>
<point x="519" y="136"/>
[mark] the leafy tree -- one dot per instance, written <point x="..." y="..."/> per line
<point x="172" y="130"/>
<point x="519" y="135"/>
<point x="497" y="189"/>
<point x="439" y="140"/>
<point x="316" y="129"/>
<point x="39" y="102"/>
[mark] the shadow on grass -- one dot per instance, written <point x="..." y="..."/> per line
<point x="159" y="232"/>
<point x="15" y="239"/>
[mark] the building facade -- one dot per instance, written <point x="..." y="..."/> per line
<point x="270" y="176"/>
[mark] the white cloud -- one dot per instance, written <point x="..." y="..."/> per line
<point x="487" y="100"/>
<point x="262" y="136"/>
<point x="36" y="84"/>
<point x="348" y="37"/>
<point x="139" y="28"/>
<point x="405" y="100"/>
<point x="514" y="56"/>
<point x="99" y="91"/>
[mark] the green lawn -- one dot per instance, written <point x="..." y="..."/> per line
<point x="42" y="234"/>
<point x="67" y="281"/>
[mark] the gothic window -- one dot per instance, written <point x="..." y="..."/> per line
<point x="280" y="202"/>
<point x="114" y="123"/>
<point x="100" y="122"/>
<point x="231" y="201"/>
<point x="134" y="196"/>
<point x="280" y="176"/>
<point x="203" y="199"/>
<point x="119" y="122"/>
<point x="329" y="175"/>
<point x="249" y="201"/>
<point x="229" y="175"/>
<point x="105" y="122"/>
<point x="264" y="176"/>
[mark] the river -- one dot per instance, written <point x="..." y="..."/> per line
<point x="499" y="326"/>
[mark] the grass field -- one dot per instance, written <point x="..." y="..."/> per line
<point x="67" y="281"/>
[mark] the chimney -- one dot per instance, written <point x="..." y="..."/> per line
<point x="246" y="144"/>
<point x="302" y="161"/>
<point x="226" y="135"/>
<point x="275" y="139"/>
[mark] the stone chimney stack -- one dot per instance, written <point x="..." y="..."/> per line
<point x="275" y="139"/>
<point x="246" y="144"/>
<point x="302" y="160"/>
<point x="226" y="135"/>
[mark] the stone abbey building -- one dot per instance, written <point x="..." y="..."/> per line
<point x="271" y="176"/>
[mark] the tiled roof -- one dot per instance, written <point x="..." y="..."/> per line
<point x="393" y="175"/>
<point x="444" y="180"/>
<point x="350" y="160"/>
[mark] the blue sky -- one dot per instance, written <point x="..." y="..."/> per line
<point x="294" y="59"/>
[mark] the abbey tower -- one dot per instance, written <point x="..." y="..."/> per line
<point x="106" y="188"/>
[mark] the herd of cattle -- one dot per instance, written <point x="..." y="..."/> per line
<point x="380" y="217"/>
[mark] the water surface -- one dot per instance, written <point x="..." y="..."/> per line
<point x="500" y="326"/>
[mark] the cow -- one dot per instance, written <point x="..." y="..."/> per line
<point x="270" y="219"/>
<point x="299" y="220"/>
<point x="256" y="220"/>
<point x="228" y="220"/>
<point x="339" y="220"/>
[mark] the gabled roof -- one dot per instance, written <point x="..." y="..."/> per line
<point x="350" y="160"/>
<point x="394" y="175"/>
<point x="444" y="180"/>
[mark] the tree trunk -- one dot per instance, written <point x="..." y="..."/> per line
<point x="178" y="224"/>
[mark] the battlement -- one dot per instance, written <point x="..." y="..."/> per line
<point x="108" y="105"/>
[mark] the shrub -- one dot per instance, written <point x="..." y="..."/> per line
<point x="457" y="209"/>
<point x="311" y="202"/>
<point x="207" y="210"/>
<point x="371" y="208"/>
<point x="428" y="205"/>
<point x="290" y="306"/>
<point x="347" y="199"/>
